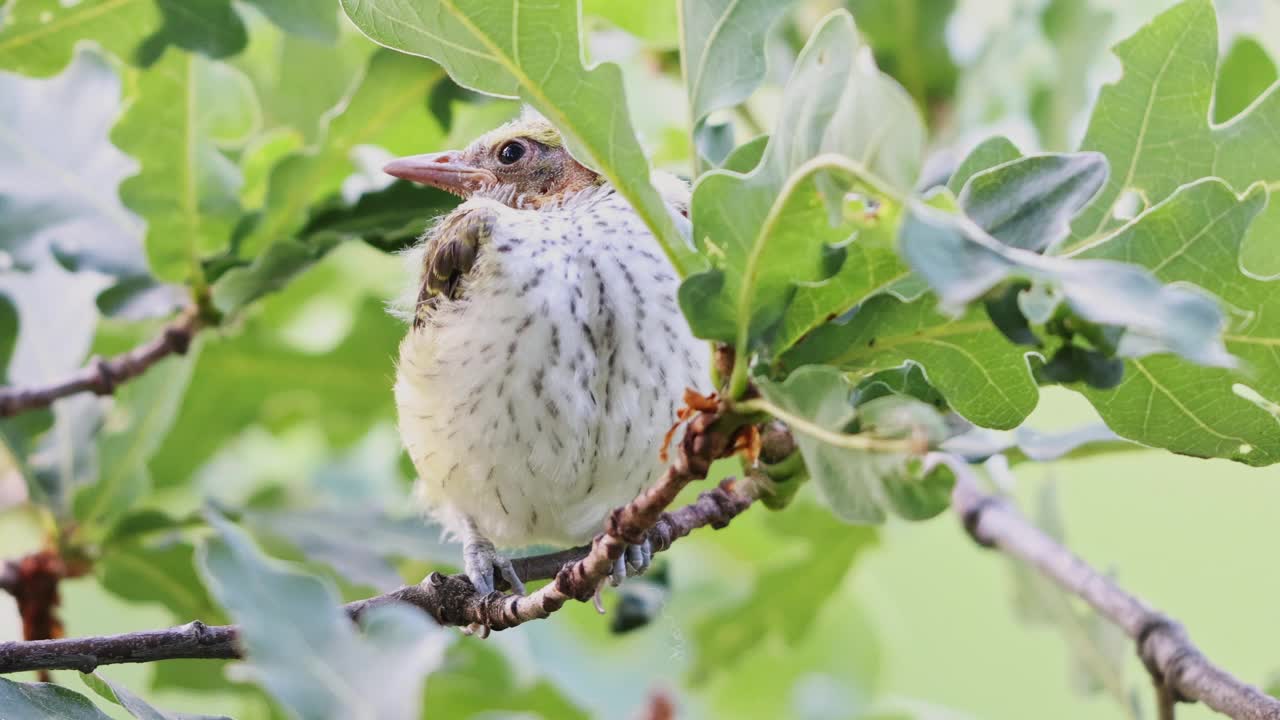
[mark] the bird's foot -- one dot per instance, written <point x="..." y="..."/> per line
<point x="633" y="561"/>
<point x="481" y="559"/>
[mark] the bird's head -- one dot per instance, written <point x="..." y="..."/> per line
<point x="523" y="163"/>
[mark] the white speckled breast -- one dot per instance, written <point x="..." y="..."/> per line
<point x="537" y="401"/>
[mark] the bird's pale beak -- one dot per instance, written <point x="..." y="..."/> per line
<point x="444" y="170"/>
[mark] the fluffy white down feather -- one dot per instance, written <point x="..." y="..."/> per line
<point x="537" y="402"/>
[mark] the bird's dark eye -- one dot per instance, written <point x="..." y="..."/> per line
<point x="510" y="152"/>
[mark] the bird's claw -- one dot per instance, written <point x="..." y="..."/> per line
<point x="480" y="559"/>
<point x="633" y="561"/>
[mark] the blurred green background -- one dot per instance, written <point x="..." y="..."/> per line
<point x="784" y="615"/>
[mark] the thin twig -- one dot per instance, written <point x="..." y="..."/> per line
<point x="103" y="375"/>
<point x="448" y="599"/>
<point x="1181" y="671"/>
<point x="847" y="441"/>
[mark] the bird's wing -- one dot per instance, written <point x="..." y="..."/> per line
<point x="451" y="251"/>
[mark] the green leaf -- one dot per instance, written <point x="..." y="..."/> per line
<point x="390" y="219"/>
<point x="1194" y="237"/>
<point x="722" y="53"/>
<point x="984" y="377"/>
<point x="1244" y="75"/>
<point x="299" y="80"/>
<point x="1028" y="203"/>
<point x="187" y="190"/>
<point x="533" y="52"/>
<point x="39" y="37"/>
<point x="859" y="485"/>
<point x="41" y="701"/>
<point x="279" y="263"/>
<point x="744" y="158"/>
<point x="963" y="263"/>
<point x="989" y="153"/>
<point x="53" y="339"/>
<point x="658" y="24"/>
<point x="309" y="19"/>
<point x="59" y="173"/>
<point x="476" y="680"/>
<point x="786" y="598"/>
<point x="135" y="705"/>
<point x="343" y="390"/>
<point x="1153" y="124"/>
<point x="765" y="232"/>
<point x="388" y="108"/>
<point x="1077" y="31"/>
<point x="871" y="266"/>
<point x="285" y="615"/>
<point x="357" y="541"/>
<point x="909" y="40"/>
<point x="141" y="413"/>
<point x="209" y="27"/>
<point x="158" y="570"/>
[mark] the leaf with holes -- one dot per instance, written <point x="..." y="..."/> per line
<point x="1153" y="126"/>
<point x="1194" y="237"/>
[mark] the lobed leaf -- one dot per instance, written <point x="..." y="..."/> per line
<point x="41" y="701"/>
<point x="285" y="616"/>
<point x="532" y="51"/>
<point x="139" y="419"/>
<point x="1194" y="237"/>
<point x="135" y="705"/>
<point x="843" y="123"/>
<point x="984" y="377"/>
<point x="59" y="173"/>
<point x="39" y="37"/>
<point x="186" y="189"/>
<point x="1154" y="125"/>
<point x="963" y="263"/>
<point x="388" y="108"/>
<point x="910" y="43"/>
<point x="860" y="485"/>
<point x="1028" y="202"/>
<point x="722" y="54"/>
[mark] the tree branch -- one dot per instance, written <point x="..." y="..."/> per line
<point x="1181" y="672"/>
<point x="451" y="600"/>
<point x="103" y="375"/>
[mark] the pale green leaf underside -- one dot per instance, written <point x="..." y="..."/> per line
<point x="285" y="615"/>
<point x="533" y="51"/>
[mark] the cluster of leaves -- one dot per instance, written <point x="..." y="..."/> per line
<point x="225" y="155"/>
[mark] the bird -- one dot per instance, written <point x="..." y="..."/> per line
<point x="546" y="352"/>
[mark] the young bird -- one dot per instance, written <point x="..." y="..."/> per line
<point x="547" y="353"/>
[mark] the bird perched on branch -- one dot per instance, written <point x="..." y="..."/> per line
<point x="547" y="353"/>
